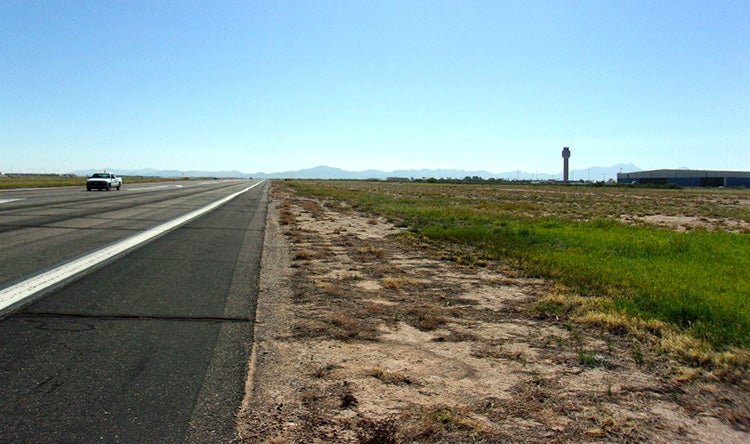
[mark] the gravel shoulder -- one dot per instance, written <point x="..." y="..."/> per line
<point x="365" y="336"/>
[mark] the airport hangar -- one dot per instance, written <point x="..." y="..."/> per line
<point x="687" y="178"/>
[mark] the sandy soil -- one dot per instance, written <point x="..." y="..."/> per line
<point x="362" y="336"/>
<point x="686" y="223"/>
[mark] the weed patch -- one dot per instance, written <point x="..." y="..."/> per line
<point x="426" y="318"/>
<point x="384" y="431"/>
<point x="398" y="283"/>
<point x="395" y="378"/>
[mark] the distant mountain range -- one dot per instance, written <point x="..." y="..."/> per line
<point x="326" y="172"/>
<point x="150" y="172"/>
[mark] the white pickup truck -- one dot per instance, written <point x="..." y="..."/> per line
<point x="103" y="181"/>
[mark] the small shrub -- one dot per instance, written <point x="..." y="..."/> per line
<point x="638" y="355"/>
<point x="384" y="431"/>
<point x="449" y="419"/>
<point x="426" y="318"/>
<point x="325" y="371"/>
<point x="395" y="378"/>
<point x="397" y="283"/>
<point x="587" y="358"/>
<point x="286" y="217"/>
<point x="348" y="400"/>
<point x="371" y="251"/>
<point x="346" y="327"/>
<point x="317" y="253"/>
<point x="313" y="207"/>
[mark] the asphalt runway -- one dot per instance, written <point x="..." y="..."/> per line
<point x="151" y="347"/>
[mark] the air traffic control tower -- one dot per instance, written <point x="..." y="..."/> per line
<point x="566" y="156"/>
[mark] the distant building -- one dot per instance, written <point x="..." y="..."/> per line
<point x="688" y="178"/>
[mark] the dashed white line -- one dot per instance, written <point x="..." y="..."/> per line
<point x="2" y="201"/>
<point x="20" y="293"/>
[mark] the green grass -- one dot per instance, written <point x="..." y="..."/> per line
<point x="698" y="281"/>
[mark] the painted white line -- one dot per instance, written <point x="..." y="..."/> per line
<point x="2" y="201"/>
<point x="19" y="293"/>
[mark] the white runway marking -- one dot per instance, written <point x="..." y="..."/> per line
<point x="2" y="201"/>
<point x="18" y="294"/>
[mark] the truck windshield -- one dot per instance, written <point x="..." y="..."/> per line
<point x="101" y="176"/>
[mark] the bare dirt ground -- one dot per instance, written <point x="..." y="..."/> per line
<point x="686" y="223"/>
<point x="365" y="336"/>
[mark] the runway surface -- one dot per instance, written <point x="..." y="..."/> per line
<point x="150" y="347"/>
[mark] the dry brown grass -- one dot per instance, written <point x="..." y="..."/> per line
<point x="371" y="252"/>
<point x="314" y="208"/>
<point x="325" y="371"/>
<point x="307" y="254"/>
<point x="388" y="377"/>
<point x="286" y="217"/>
<point x="425" y="317"/>
<point x="398" y="283"/>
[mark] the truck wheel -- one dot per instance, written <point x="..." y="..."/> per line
<point x="88" y="189"/>
<point x="118" y="187"/>
<point x="109" y="187"/>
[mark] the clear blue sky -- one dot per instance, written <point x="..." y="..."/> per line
<point x="282" y="85"/>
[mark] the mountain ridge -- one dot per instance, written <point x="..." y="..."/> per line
<point x="594" y="173"/>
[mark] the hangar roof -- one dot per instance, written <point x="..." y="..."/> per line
<point x="681" y="173"/>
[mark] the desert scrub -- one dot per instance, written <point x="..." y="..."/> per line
<point x="695" y="281"/>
